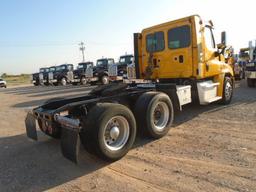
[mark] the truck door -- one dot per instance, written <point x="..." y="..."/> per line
<point x="178" y="59"/>
<point x="169" y="51"/>
<point x="212" y="63"/>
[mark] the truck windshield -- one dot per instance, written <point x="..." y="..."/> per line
<point x="111" y="61"/>
<point x="42" y="70"/>
<point x="81" y="66"/>
<point x="60" y="68"/>
<point x="52" y="69"/>
<point x="209" y="38"/>
<point x="125" y="60"/>
<point x="101" y="62"/>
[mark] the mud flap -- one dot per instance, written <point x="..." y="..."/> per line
<point x="70" y="143"/>
<point x="31" y="126"/>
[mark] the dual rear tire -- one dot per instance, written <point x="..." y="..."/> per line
<point x="155" y="114"/>
<point x="109" y="130"/>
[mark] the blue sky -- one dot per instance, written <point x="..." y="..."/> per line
<point x="37" y="33"/>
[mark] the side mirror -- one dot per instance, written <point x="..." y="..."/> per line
<point x="223" y="38"/>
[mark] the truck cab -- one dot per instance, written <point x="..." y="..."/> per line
<point x="185" y="52"/>
<point x="250" y="68"/>
<point x="118" y="71"/>
<point x="62" y="75"/>
<point x="35" y="79"/>
<point x="83" y="73"/>
<point x="124" y="61"/>
<point x="38" y="78"/>
<point x="100" y="71"/>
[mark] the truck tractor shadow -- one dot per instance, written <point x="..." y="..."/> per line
<point x="193" y="111"/>
<point x="39" y="166"/>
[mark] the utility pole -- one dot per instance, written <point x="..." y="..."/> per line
<point x="82" y="48"/>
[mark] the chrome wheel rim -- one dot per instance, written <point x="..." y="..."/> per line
<point x="116" y="133"/>
<point x="228" y="90"/>
<point x="160" y="116"/>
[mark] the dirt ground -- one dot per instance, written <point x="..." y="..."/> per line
<point x="210" y="148"/>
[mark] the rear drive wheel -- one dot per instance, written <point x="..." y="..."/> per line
<point x="227" y="91"/>
<point x="104" y="80"/>
<point x="154" y="114"/>
<point x="109" y="131"/>
<point x="251" y="82"/>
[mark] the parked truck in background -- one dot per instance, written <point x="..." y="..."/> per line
<point x="38" y="78"/>
<point x="62" y="75"/>
<point x="175" y="63"/>
<point x="100" y="71"/>
<point x="240" y="64"/>
<point x="250" y="69"/>
<point x="43" y="74"/>
<point x="118" y="71"/>
<point x="83" y="74"/>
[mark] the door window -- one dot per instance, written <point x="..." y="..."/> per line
<point x="155" y="42"/>
<point x="179" y="37"/>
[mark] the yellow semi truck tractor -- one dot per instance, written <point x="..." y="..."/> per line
<point x="175" y="63"/>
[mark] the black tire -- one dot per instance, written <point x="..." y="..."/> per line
<point x="92" y="134"/>
<point x="144" y="109"/>
<point x="227" y="91"/>
<point x="251" y="82"/>
<point x="104" y="80"/>
<point x="83" y="81"/>
<point x="63" y="81"/>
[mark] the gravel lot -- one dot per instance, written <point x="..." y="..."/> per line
<point x="210" y="148"/>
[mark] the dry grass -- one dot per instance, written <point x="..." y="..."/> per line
<point x="17" y="79"/>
